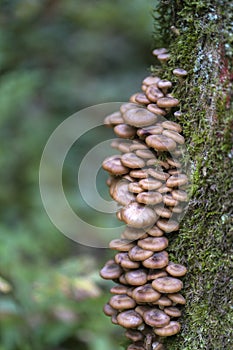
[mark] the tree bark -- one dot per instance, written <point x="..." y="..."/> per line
<point x="200" y="41"/>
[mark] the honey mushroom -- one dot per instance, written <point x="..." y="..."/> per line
<point x="151" y="192"/>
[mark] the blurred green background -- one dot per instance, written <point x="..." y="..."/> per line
<point x="57" y="57"/>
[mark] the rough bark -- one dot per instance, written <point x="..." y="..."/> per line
<point x="201" y="43"/>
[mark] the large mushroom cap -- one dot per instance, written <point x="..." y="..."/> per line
<point x="139" y="254"/>
<point x="114" y="166"/>
<point x="129" y="319"/>
<point x="168" y="225"/>
<point x="131" y="160"/>
<point x="122" y="302"/>
<point x="125" y="131"/>
<point x="111" y="271"/>
<point x="167" y="285"/>
<point x="171" y="329"/>
<point x="120" y="192"/>
<point x="121" y="244"/>
<point x="136" y="277"/>
<point x="161" y="143"/>
<point x="155" y="244"/>
<point x="145" y="294"/>
<point x="139" y="117"/>
<point x="167" y="102"/>
<point x="176" y="270"/>
<point x="156" y="318"/>
<point x="156" y="261"/>
<point x="138" y="216"/>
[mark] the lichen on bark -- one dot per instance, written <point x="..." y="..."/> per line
<point x="204" y="48"/>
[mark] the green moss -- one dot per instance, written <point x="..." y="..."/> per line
<point x="203" y="243"/>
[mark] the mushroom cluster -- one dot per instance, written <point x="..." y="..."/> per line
<point x="147" y="182"/>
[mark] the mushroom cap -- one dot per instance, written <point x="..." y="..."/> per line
<point x="169" y="200"/>
<point x="168" y="225"/>
<point x="164" y="84"/>
<point x="163" y="212"/>
<point x="119" y="289"/>
<point x="159" y="51"/>
<point x="113" y="119"/>
<point x="145" y="294"/>
<point x="114" y="166"/>
<point x="178" y="114"/>
<point x="153" y="93"/>
<point x="155" y="273"/>
<point x="164" y="189"/>
<point x="139" y="117"/>
<point x="138" y="174"/>
<point x="172" y="311"/>
<point x="168" y="124"/>
<point x="150" y="80"/>
<point x="125" y="131"/>
<point x="176" y="270"/>
<point x="136" y="346"/>
<point x="161" y="143"/>
<point x="155" y="244"/>
<point x="180" y="72"/>
<point x="177" y="298"/>
<point x="109" y="310"/>
<point x="172" y="135"/>
<point x="157" y="174"/>
<point x="177" y="180"/>
<point x="129" y="319"/>
<point x="164" y="301"/>
<point x="171" y="329"/>
<point x="127" y="106"/>
<point x="136" y="277"/>
<point x="114" y="319"/>
<point x="141" y="98"/>
<point x="167" y="102"/>
<point x="132" y="161"/>
<point x="121" y="194"/>
<point x="155" y="231"/>
<point x="134" y="187"/>
<point x="138" y="216"/>
<point x="167" y="285"/>
<point x="124" y="146"/>
<point x="141" y="309"/>
<point x="136" y="145"/>
<point x="144" y="153"/>
<point x="124" y="261"/>
<point x="174" y="162"/>
<point x="163" y="57"/>
<point x="122" y="302"/>
<point x="139" y="254"/>
<point x="132" y="233"/>
<point x="152" y="107"/>
<point x="120" y="244"/>
<point x="157" y="346"/>
<point x="156" y="261"/>
<point x="150" y="184"/>
<point x="180" y="195"/>
<point x="111" y="271"/>
<point x="156" y="318"/>
<point x="134" y="335"/>
<point x="150" y="198"/>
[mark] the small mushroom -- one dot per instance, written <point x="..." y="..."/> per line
<point x="150" y="130"/>
<point x="167" y="102"/>
<point x="149" y="198"/>
<point x="172" y="135"/>
<point x="113" y="119"/>
<point x="180" y="73"/>
<point x="169" y="200"/>
<point x="172" y="311"/>
<point x="157" y="346"/>
<point x="171" y="329"/>
<point x="153" y="93"/>
<point x="152" y="107"/>
<point x="150" y="80"/>
<point x="114" y="319"/>
<point x="156" y="318"/>
<point x="180" y="195"/>
<point x="159" y="175"/>
<point x="127" y="106"/>
<point x="134" y="187"/>
<point x="132" y="161"/>
<point x="124" y="261"/>
<point x="163" y="212"/>
<point x="139" y="117"/>
<point x="129" y="319"/>
<point x="139" y="174"/>
<point x="142" y="98"/>
<point x="150" y="184"/>
<point x="164" y="85"/>
<point x="144" y="153"/>
<point x="159" y="51"/>
<point x="177" y="180"/>
<point x="171" y="125"/>
<point x="132" y="233"/>
<point x="176" y="270"/>
<point x="114" y="166"/>
<point x="155" y="231"/>
<point x="177" y="298"/>
<point x="163" y="301"/>
<point x="141" y="309"/>
<point x="136" y="346"/>
<point x="161" y="143"/>
<point x="138" y="254"/>
<point x="125" y="131"/>
<point x="122" y="302"/>
<point x="138" y="216"/>
<point x="155" y="244"/>
<point x="122" y="245"/>
<point x="121" y="193"/>
<point x="109" y="310"/>
<point x="167" y="285"/>
<point x="136" y="277"/>
<point x="168" y="225"/>
<point x="139" y="145"/>
<point x="156" y="273"/>
<point x="145" y="294"/>
<point x="156" y="261"/>
<point x="163" y="57"/>
<point x="111" y="271"/>
<point x="119" y="289"/>
<point x="134" y="335"/>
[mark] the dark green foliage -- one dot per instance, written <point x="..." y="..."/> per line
<point x="204" y="49"/>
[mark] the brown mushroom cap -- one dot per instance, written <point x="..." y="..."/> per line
<point x="125" y="131"/>
<point x="161" y="143"/>
<point x="171" y="329"/>
<point x="155" y="231"/>
<point x="144" y="153"/>
<point x="119" y="289"/>
<point x="127" y="106"/>
<point x="114" y="319"/>
<point x="121" y="194"/>
<point x="136" y="277"/>
<point x="111" y="271"/>
<point x="124" y="261"/>
<point x="150" y="80"/>
<point x="180" y="195"/>
<point x="178" y="114"/>
<point x="141" y="98"/>
<point x="164" y="85"/>
<point x="177" y="180"/>
<point x="139" y="254"/>
<point x="132" y="161"/>
<point x="164" y="189"/>
<point x="163" y="301"/>
<point x="122" y="302"/>
<point x="136" y="346"/>
<point x="157" y="346"/>
<point x="172" y="135"/>
<point x="152" y="107"/>
<point x="176" y="270"/>
<point x="134" y="335"/>
<point x="139" y="117"/>
<point x="145" y="294"/>
<point x="109" y="310"/>
<point x="150" y="184"/>
<point x="138" y="216"/>
<point x="167" y="102"/>
<point x="168" y="225"/>
<point x="156" y="261"/>
<point x="157" y="174"/>
<point x="122" y="245"/>
<point x="153" y="93"/>
<point x="167" y="285"/>
<point x="172" y="311"/>
<point x="177" y="298"/>
<point x="155" y="244"/>
<point x="138" y="174"/>
<point x="156" y="318"/>
<point x="169" y="200"/>
<point x="163" y="57"/>
<point x="179" y="72"/>
<point x="129" y="319"/>
<point x="150" y="198"/>
<point x="156" y="273"/>
<point x="132" y="233"/>
<point x="171" y="126"/>
<point x="114" y="166"/>
<point x="134" y="187"/>
<point x="113" y="119"/>
<point x="163" y="212"/>
<point x="159" y="51"/>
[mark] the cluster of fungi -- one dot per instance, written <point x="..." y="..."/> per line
<point x="147" y="182"/>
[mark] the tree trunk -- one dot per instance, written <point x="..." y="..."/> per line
<point x="200" y="41"/>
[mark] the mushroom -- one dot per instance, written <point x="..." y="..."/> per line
<point x="144" y="153"/>
<point x="156" y="273"/>
<point x="155" y="231"/>
<point x="155" y="244"/>
<point x="125" y="131"/>
<point x="132" y="161"/>
<point x="163" y="212"/>
<point x="111" y="271"/>
<point x="168" y="225"/>
<point x="124" y="261"/>
<point x="180" y="73"/>
<point x="156" y="318"/>
<point x="153" y="93"/>
<point x="136" y="346"/>
<point x="121" y="193"/>
<point x="167" y="102"/>
<point x="180" y="195"/>
<point x="177" y="298"/>
<point x="121" y="244"/>
<point x="142" y="98"/>
<point x="163" y="57"/>
<point x="136" y="277"/>
<point x="172" y="135"/>
<point x="138" y="174"/>
<point x="138" y="216"/>
<point x="159" y="175"/>
<point x="145" y="294"/>
<point x="150" y="184"/>
<point x="159" y="51"/>
<point x="172" y="311"/>
<point x="171" y="329"/>
<point x="134" y="187"/>
<point x="119" y="289"/>
<point x="157" y="346"/>
<point x="176" y="270"/>
<point x="109" y="310"/>
<point x="132" y="233"/>
<point x="134" y="335"/>
<point x="168" y="124"/>
<point x="150" y="198"/>
<point x="167" y="285"/>
<point x="129" y="319"/>
<point x="127" y="106"/>
<point x="169" y="200"/>
<point x="156" y="261"/>
<point x="164" y="85"/>
<point x="152" y="107"/>
<point x="113" y="119"/>
<point x="150" y="80"/>
<point x="163" y="301"/>
<point x="177" y="180"/>
<point x="138" y="254"/>
<point x="150" y="130"/>
<point x="161" y="143"/>
<point x="114" y="166"/>
<point x="122" y="302"/>
<point x="139" y="117"/>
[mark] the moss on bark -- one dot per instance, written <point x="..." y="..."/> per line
<point x="204" y="48"/>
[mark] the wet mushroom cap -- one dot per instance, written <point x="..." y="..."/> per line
<point x="167" y="102"/>
<point x="156" y="318"/>
<point x="109" y="310"/>
<point x="167" y="285"/>
<point x="156" y="261"/>
<point x="179" y="72"/>
<point x="139" y="117"/>
<point x="171" y="126"/>
<point x="176" y="270"/>
<point x="168" y="225"/>
<point x="155" y="244"/>
<point x="124" y="261"/>
<point x="121" y="194"/>
<point x="171" y="329"/>
<point x="125" y="131"/>
<point x="136" y="277"/>
<point x="114" y="166"/>
<point x="122" y="302"/>
<point x="177" y="298"/>
<point x="138" y="216"/>
<point x="132" y="161"/>
<point x="111" y="271"/>
<point x="120" y="244"/>
<point x="134" y="335"/>
<point x="138" y="254"/>
<point x="129" y="319"/>
<point x="161" y="142"/>
<point x="119" y="289"/>
<point x="177" y="180"/>
<point x="172" y="311"/>
<point x="145" y="294"/>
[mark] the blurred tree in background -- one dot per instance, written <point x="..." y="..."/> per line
<point x="56" y="57"/>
